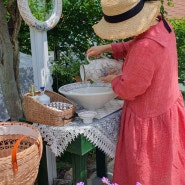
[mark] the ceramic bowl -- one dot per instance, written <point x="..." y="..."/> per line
<point x="87" y="116"/>
<point x="89" y="96"/>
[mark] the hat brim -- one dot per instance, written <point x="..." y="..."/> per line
<point x="131" y="27"/>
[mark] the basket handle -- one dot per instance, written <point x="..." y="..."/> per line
<point x="14" y="152"/>
<point x="74" y="116"/>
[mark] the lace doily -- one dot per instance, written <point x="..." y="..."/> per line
<point x="102" y="133"/>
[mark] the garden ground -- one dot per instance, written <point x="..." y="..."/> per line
<point x="94" y="180"/>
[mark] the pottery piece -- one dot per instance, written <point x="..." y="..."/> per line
<point x="98" y="68"/>
<point x="87" y="116"/>
<point x="89" y="96"/>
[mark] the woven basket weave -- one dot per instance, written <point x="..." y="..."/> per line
<point x="38" y="113"/>
<point x="27" y="153"/>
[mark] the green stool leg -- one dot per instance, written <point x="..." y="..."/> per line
<point x="101" y="163"/>
<point x="79" y="166"/>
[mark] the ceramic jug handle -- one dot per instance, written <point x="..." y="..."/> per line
<point x="102" y="56"/>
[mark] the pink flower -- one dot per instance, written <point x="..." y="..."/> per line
<point x="80" y="183"/>
<point x="105" y="180"/>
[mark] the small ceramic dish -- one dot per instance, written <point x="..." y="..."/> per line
<point x="87" y="116"/>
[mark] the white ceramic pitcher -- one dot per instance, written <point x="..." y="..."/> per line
<point x="99" y="67"/>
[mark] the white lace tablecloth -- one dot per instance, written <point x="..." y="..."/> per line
<point x="102" y="133"/>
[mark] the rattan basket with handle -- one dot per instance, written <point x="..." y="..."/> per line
<point x="39" y="113"/>
<point x="20" y="153"/>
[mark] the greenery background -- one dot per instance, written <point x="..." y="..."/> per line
<point x="73" y="35"/>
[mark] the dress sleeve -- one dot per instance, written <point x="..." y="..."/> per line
<point x="120" y="49"/>
<point x="137" y="72"/>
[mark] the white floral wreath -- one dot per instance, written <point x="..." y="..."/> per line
<point x="33" y="22"/>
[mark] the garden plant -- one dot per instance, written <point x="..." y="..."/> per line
<point x="105" y="181"/>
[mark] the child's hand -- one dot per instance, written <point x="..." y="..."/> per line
<point x="96" y="51"/>
<point x="108" y="78"/>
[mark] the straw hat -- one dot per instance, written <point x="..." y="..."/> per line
<point x="126" y="18"/>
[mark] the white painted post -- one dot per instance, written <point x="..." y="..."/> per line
<point x="40" y="59"/>
<point x="51" y="166"/>
<point x="42" y="76"/>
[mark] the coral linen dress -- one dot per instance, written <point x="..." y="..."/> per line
<point x="151" y="143"/>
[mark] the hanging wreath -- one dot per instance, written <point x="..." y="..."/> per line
<point x="36" y="24"/>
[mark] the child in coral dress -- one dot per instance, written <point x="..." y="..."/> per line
<point x="151" y="141"/>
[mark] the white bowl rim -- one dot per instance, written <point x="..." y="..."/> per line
<point x="95" y="84"/>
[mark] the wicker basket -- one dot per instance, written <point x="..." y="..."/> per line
<point x="39" y="113"/>
<point x="20" y="153"/>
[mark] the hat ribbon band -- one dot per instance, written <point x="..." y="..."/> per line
<point x="166" y="25"/>
<point x="126" y="15"/>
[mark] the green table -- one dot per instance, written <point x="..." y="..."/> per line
<point x="102" y="133"/>
<point x="79" y="149"/>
